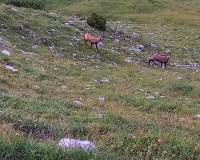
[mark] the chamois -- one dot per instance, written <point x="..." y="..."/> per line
<point x="92" y="40"/>
<point x="160" y="58"/>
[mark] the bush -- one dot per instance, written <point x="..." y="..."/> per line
<point x="26" y="3"/>
<point x="97" y="22"/>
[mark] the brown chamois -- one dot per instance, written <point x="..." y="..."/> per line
<point x="92" y="40"/>
<point x="160" y="58"/>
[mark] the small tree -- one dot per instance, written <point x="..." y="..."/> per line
<point x="97" y="22"/>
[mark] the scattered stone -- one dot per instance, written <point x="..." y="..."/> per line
<point x="160" y="79"/>
<point x="114" y="63"/>
<point x="135" y="49"/>
<point x="198" y="116"/>
<point x="150" y="97"/>
<point x="53" y="30"/>
<point x="42" y="69"/>
<point x="53" y="14"/>
<point x="63" y="86"/>
<point x="14" y="9"/>
<point x="55" y="68"/>
<point x="21" y="51"/>
<point x="71" y="44"/>
<point x="117" y="41"/>
<point x="28" y="59"/>
<point x="141" y="90"/>
<point x="129" y="60"/>
<point x="83" y="69"/>
<point x="153" y="45"/>
<point x="35" y="46"/>
<point x="75" y="39"/>
<point x="78" y="102"/>
<point x="162" y="96"/>
<point x="100" y="44"/>
<point x="11" y="68"/>
<point x="6" y="52"/>
<point x="23" y="38"/>
<point x="74" y="55"/>
<point x="100" y="114"/>
<point x="37" y="86"/>
<point x="34" y="35"/>
<point x="67" y="24"/>
<point x="4" y="41"/>
<point x="104" y="80"/>
<point x="182" y="119"/>
<point x="129" y="86"/>
<point x="180" y="77"/>
<point x="76" y="144"/>
<point x="41" y="61"/>
<point x="101" y="98"/>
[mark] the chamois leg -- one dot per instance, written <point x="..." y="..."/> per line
<point x="97" y="47"/>
<point x="91" y="44"/>
<point x="150" y="61"/>
<point x="166" y="65"/>
<point x="161" y="65"/>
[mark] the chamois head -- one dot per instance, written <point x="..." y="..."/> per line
<point x="169" y="55"/>
<point x="102" y="35"/>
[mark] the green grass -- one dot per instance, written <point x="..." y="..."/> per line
<point x="36" y="112"/>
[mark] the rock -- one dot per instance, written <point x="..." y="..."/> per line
<point x="117" y="41"/>
<point x="100" y="114"/>
<point x="14" y="9"/>
<point x="129" y="86"/>
<point x="71" y="44"/>
<point x="104" y="80"/>
<point x="4" y="41"/>
<point x="6" y="52"/>
<point x="53" y="14"/>
<point x="182" y="119"/>
<point x="135" y="49"/>
<point x="76" y="144"/>
<point x="100" y="44"/>
<point x="162" y="96"/>
<point x="129" y="60"/>
<point x="78" y="102"/>
<point x="74" y="55"/>
<point x="23" y="52"/>
<point x="83" y="69"/>
<point x="23" y="38"/>
<point x="153" y="45"/>
<point x="53" y="30"/>
<point x="118" y="53"/>
<point x="11" y="68"/>
<point x="101" y="98"/>
<point x="180" y="77"/>
<point x="63" y="86"/>
<point x="198" y="116"/>
<point x="67" y="24"/>
<point x="141" y="90"/>
<point x="150" y="97"/>
<point x="35" y="46"/>
<point x="41" y="61"/>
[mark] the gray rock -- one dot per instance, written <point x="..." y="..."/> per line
<point x="104" y="80"/>
<point x="23" y="52"/>
<point x="63" y="86"/>
<point x="78" y="102"/>
<point x="6" y="52"/>
<point x="102" y="98"/>
<point x="67" y="24"/>
<point x="117" y="41"/>
<point x="14" y="9"/>
<point x="11" y="68"/>
<point x="150" y="97"/>
<point x="129" y="60"/>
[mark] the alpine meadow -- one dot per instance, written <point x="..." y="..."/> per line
<point x="53" y="85"/>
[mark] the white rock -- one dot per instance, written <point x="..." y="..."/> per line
<point x="63" y="86"/>
<point x="78" y="102"/>
<point x="14" y="9"/>
<point x="11" y="68"/>
<point x="180" y="77"/>
<point x="100" y="44"/>
<point x="104" y="80"/>
<point x="162" y="96"/>
<point x="76" y="144"/>
<point x="6" y="52"/>
<point x="101" y="98"/>
<point x="142" y="90"/>
<point x="150" y="97"/>
<point x="198" y="116"/>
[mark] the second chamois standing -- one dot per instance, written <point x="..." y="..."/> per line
<point x="160" y="58"/>
<point x="92" y="40"/>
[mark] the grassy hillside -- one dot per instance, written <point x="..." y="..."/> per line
<point x="39" y="102"/>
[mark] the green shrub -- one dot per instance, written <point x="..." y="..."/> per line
<point x="181" y="87"/>
<point x="26" y="3"/>
<point x="97" y="22"/>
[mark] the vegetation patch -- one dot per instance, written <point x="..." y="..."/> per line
<point x="97" y="21"/>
